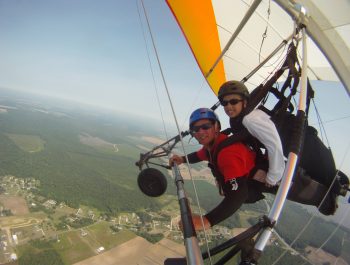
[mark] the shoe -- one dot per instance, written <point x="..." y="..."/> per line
<point x="341" y="184"/>
<point x="344" y="183"/>
<point x="329" y="205"/>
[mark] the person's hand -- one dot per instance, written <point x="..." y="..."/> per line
<point x="260" y="176"/>
<point x="272" y="184"/>
<point x="269" y="185"/>
<point x="175" y="159"/>
<point x="197" y="223"/>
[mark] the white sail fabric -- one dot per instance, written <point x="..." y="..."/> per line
<point x="331" y="17"/>
<point x="209" y="24"/>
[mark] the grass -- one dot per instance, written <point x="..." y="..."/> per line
<point x="28" y="143"/>
<point x="86" y="209"/>
<point x="62" y="212"/>
<point x="72" y="248"/>
<point x="245" y="215"/>
<point x="101" y="232"/>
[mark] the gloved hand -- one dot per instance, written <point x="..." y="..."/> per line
<point x="197" y="223"/>
<point x="176" y="159"/>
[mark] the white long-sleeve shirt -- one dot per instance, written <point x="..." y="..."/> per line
<point x="259" y="125"/>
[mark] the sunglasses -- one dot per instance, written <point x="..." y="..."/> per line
<point x="232" y="102"/>
<point x="205" y="126"/>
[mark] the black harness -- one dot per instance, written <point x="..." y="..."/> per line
<point x="242" y="136"/>
<point x="259" y="95"/>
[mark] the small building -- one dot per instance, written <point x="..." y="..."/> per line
<point x="83" y="232"/>
<point x="50" y="203"/>
<point x="15" y="239"/>
<point x="100" y="249"/>
<point x="13" y="257"/>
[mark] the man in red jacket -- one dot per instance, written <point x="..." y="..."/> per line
<point x="231" y="168"/>
<point x="238" y="175"/>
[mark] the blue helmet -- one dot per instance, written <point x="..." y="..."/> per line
<point x="201" y="114"/>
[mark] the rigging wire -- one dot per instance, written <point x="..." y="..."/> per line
<point x="195" y="99"/>
<point x="337" y="119"/>
<point x="314" y="214"/>
<point x="253" y="50"/>
<point x="177" y="125"/>
<point x="332" y="234"/>
<point x="281" y="59"/>
<point x="151" y="69"/>
<point x="342" y="244"/>
<point x="264" y="35"/>
<point x="248" y="3"/>
<point x="320" y="123"/>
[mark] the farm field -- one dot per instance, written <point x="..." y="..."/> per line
<point x="81" y="244"/>
<point x="70" y="182"/>
<point x="16" y="204"/>
<point x="137" y="251"/>
<point x="28" y="143"/>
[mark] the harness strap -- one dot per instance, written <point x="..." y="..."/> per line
<point x="241" y="136"/>
<point x="259" y="93"/>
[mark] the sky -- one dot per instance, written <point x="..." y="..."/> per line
<point x="95" y="52"/>
<point x="100" y="53"/>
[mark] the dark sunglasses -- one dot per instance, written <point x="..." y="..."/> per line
<point x="205" y="126"/>
<point x="232" y="102"/>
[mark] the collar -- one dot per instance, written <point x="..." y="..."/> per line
<point x="221" y="137"/>
<point x="236" y="123"/>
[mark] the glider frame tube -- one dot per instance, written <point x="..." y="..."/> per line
<point x="193" y="253"/>
<point x="292" y="158"/>
<point x="322" y="41"/>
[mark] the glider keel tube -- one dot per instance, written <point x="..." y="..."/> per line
<point x="295" y="148"/>
<point x="193" y="253"/>
<point x="279" y="200"/>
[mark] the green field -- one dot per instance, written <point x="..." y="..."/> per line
<point x="101" y="233"/>
<point x="28" y="143"/>
<point x="47" y="147"/>
<point x="74" y="246"/>
<point x="70" y="171"/>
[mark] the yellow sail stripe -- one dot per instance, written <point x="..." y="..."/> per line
<point x="197" y="20"/>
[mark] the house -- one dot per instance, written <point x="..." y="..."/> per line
<point x="50" y="203"/>
<point x="13" y="257"/>
<point x="100" y="249"/>
<point x="15" y="239"/>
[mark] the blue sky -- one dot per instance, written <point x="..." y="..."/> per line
<point x="95" y="52"/>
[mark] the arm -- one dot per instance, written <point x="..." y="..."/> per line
<point x="259" y="125"/>
<point x="231" y="203"/>
<point x="234" y="162"/>
<point x="194" y="157"/>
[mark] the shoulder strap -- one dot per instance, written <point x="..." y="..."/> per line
<point x="237" y="137"/>
<point x="240" y="136"/>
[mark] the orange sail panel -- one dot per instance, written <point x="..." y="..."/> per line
<point x="197" y="21"/>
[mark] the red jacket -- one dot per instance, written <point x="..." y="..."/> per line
<point x="233" y="161"/>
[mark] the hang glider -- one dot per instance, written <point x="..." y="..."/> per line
<point x="210" y="26"/>
<point x="245" y="40"/>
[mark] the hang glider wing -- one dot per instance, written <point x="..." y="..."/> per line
<point x="208" y="26"/>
